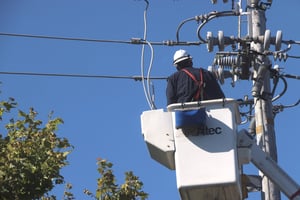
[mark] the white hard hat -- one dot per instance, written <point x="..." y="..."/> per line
<point x="180" y="55"/>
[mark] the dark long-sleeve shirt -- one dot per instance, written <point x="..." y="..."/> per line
<point x="182" y="88"/>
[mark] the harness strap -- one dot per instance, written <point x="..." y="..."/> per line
<point x="199" y="93"/>
<point x="295" y="194"/>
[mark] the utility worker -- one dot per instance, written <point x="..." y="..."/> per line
<point x="189" y="83"/>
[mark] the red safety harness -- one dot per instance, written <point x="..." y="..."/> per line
<point x="199" y="94"/>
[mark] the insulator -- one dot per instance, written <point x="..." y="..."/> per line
<point x="267" y="39"/>
<point x="281" y="56"/>
<point x="226" y="61"/>
<point x="278" y="40"/>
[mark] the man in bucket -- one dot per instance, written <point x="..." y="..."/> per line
<point x="189" y="84"/>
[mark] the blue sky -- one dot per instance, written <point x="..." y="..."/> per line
<point x="102" y="116"/>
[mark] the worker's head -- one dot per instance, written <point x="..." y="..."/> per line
<point x="182" y="59"/>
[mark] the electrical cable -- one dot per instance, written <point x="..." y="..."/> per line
<point x="297" y="57"/>
<point x="63" y="38"/>
<point x="211" y="16"/>
<point x="136" y="78"/>
<point x="132" y="41"/>
<point x="283" y="91"/>
<point x="247" y="115"/>
<point x="142" y="56"/>
<point x="201" y="26"/>
<point x="181" y="24"/>
<point x="149" y="83"/>
<point x="148" y="78"/>
<point x="293" y="105"/>
<point x="290" y="42"/>
<point x="291" y="76"/>
<point x="204" y="19"/>
<point x="278" y="108"/>
<point x="289" y="46"/>
<point x="146" y="89"/>
<point x="275" y="76"/>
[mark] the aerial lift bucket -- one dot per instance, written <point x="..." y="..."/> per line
<point x="206" y="159"/>
<point x="157" y="130"/>
<point x="198" y="140"/>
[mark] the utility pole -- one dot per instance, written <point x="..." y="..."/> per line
<point x="264" y="118"/>
<point x="169" y="140"/>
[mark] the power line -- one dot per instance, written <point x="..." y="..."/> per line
<point x="136" y="78"/>
<point x="63" y="38"/>
<point x="132" y="40"/>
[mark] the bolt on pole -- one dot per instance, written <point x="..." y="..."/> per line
<point x="263" y="101"/>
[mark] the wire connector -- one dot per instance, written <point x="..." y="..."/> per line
<point x="137" y="41"/>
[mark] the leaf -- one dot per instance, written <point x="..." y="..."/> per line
<point x="29" y="157"/>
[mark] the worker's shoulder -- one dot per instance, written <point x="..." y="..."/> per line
<point x="207" y="75"/>
<point x="196" y="70"/>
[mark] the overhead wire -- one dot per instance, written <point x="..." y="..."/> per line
<point x="146" y="80"/>
<point x="147" y="90"/>
<point x="291" y="42"/>
<point x="278" y="54"/>
<point x="132" y="40"/>
<point x="63" y="38"/>
<point x="136" y="78"/>
<point x="291" y="76"/>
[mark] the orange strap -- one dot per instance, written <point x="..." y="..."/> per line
<point x="199" y="93"/>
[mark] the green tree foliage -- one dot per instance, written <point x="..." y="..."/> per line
<point x="108" y="189"/>
<point x="31" y="156"/>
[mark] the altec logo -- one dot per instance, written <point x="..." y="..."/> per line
<point x="210" y="130"/>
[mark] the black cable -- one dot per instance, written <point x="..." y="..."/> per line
<point x="279" y="108"/>
<point x="201" y="26"/>
<point x="136" y="78"/>
<point x="180" y="25"/>
<point x="211" y="16"/>
<point x="63" y="38"/>
<point x="290" y="42"/>
<point x="132" y="41"/>
<point x="293" y="105"/>
<point x="291" y="76"/>
<point x="297" y="57"/>
<point x="282" y="92"/>
<point x="275" y="76"/>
